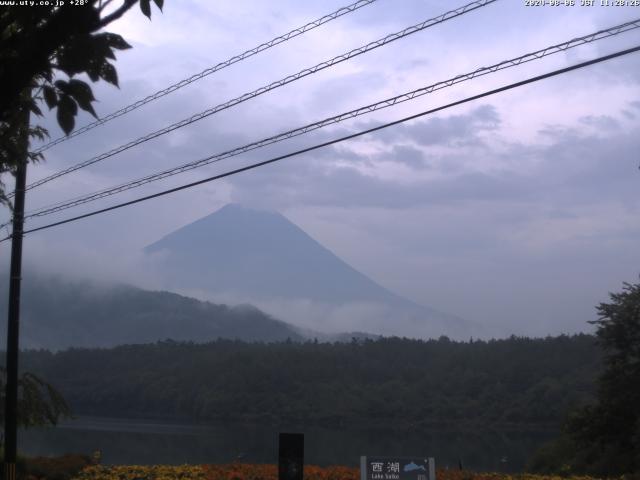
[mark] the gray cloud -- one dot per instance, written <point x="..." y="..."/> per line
<point x="521" y="212"/>
<point x="452" y="130"/>
<point x="564" y="212"/>
<point x="577" y="168"/>
<point x="628" y="114"/>
<point x="407" y="155"/>
<point x="604" y="122"/>
<point x="456" y="130"/>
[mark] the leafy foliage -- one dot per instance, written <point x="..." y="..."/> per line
<point x="610" y="429"/>
<point x="604" y="438"/>
<point x="42" y="49"/>
<point x="39" y="403"/>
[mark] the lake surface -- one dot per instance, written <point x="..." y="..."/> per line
<point x="144" y="442"/>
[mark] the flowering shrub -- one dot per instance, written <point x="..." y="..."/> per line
<point x="242" y="471"/>
<point x="270" y="472"/>
<point x="138" y="472"/>
<point x="465" y="475"/>
<point x="235" y="471"/>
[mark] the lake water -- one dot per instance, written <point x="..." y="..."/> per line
<point x="125" y="441"/>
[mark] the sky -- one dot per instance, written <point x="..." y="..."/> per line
<point x="518" y="211"/>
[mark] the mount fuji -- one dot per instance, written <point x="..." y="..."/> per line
<point x="247" y="255"/>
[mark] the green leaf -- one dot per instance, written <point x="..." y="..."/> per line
<point x="93" y="70"/>
<point x="99" y="47"/>
<point x="62" y="86"/>
<point x="88" y="52"/>
<point x="116" y="41"/>
<point x="159" y="3"/>
<point x="145" y="6"/>
<point x="38" y="132"/>
<point x="50" y="96"/>
<point x="39" y="403"/>
<point x="87" y="107"/>
<point x="69" y="104"/>
<point x="81" y="91"/>
<point x="109" y="74"/>
<point x="67" y="110"/>
<point x="77" y="56"/>
<point x="35" y="109"/>
<point x="108" y="53"/>
<point x="83" y="95"/>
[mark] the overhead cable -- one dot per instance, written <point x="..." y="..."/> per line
<point x="338" y="140"/>
<point x="561" y="47"/>
<point x="272" y="86"/>
<point x="194" y="78"/>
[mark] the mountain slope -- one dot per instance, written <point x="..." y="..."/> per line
<point x="261" y="256"/>
<point x="59" y="313"/>
<point x="264" y="254"/>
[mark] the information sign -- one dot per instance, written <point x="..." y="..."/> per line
<point x="397" y="468"/>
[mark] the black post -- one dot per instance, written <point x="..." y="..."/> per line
<point x="291" y="456"/>
<point x="13" y="323"/>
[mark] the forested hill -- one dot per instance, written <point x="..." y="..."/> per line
<point x="400" y="382"/>
<point x="59" y="313"/>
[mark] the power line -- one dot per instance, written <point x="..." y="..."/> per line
<point x="338" y="140"/>
<point x="612" y="31"/>
<point x="272" y="86"/>
<point x="235" y="59"/>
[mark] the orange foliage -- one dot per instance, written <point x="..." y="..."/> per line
<point x="242" y="471"/>
<point x="311" y="472"/>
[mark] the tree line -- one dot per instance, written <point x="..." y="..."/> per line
<point x="390" y="382"/>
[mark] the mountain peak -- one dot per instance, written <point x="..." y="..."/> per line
<point x="240" y="209"/>
<point x="260" y="255"/>
<point x="235" y="212"/>
<point x="234" y="229"/>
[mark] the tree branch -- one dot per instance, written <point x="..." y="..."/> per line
<point x="118" y="13"/>
<point x="104" y="5"/>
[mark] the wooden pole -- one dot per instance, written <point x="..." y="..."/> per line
<point x="13" y="322"/>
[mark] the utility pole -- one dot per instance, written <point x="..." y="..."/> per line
<point x="13" y="323"/>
